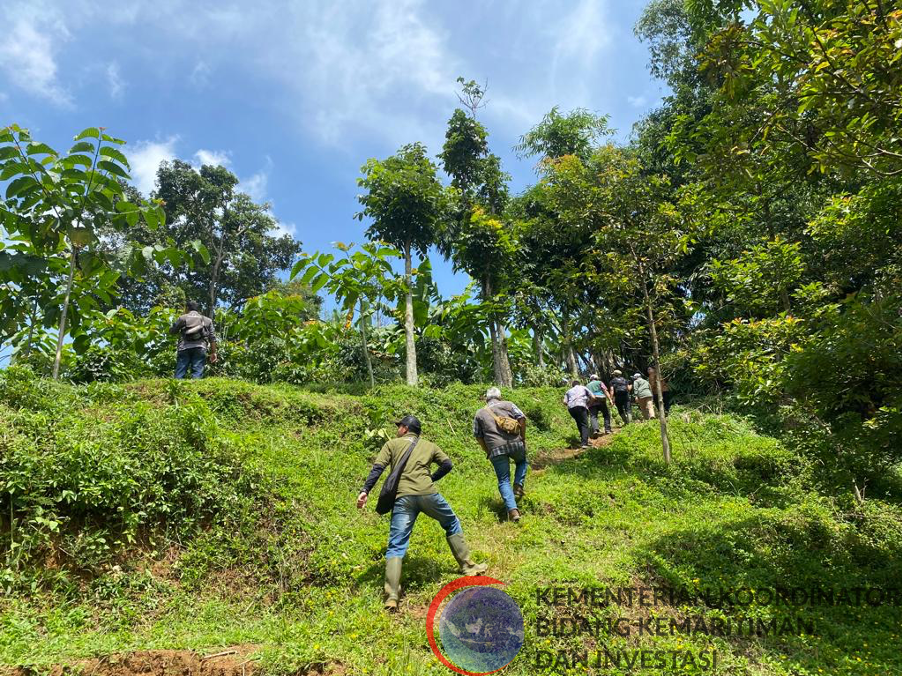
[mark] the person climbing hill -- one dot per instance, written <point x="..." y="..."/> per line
<point x="577" y="401"/>
<point x="416" y="492"/>
<point x="503" y="445"/>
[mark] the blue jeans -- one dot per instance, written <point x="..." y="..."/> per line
<point x="192" y="359"/>
<point x="405" y="512"/>
<point x="502" y="466"/>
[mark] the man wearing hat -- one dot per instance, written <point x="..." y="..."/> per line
<point x="416" y="493"/>
<point x="621" y="387"/>
<point x="503" y="446"/>
<point x="642" y="390"/>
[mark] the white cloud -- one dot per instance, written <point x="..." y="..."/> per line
<point x="216" y="158"/>
<point x="582" y="32"/>
<point x="114" y="80"/>
<point x="145" y="158"/>
<point x="637" y="101"/>
<point x="283" y="228"/>
<point x="255" y="186"/>
<point x="200" y="75"/>
<point x="31" y="36"/>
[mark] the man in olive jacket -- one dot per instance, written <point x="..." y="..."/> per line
<point x="416" y="493"/>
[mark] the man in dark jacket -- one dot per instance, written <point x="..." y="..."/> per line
<point x="196" y="336"/>
<point x="416" y="493"/>
<point x="621" y="388"/>
<point x="501" y="447"/>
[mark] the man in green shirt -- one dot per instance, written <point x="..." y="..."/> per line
<point x="642" y="391"/>
<point x="600" y="403"/>
<point x="416" y="493"/>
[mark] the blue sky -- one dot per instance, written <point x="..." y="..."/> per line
<point x="295" y="96"/>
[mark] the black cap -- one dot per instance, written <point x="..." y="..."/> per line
<point x="411" y="422"/>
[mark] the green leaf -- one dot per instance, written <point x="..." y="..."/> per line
<point x="311" y="272"/>
<point x="115" y="154"/>
<point x="23" y="184"/>
<point x="319" y="282"/>
<point x="72" y="160"/>
<point x="90" y="132"/>
<point x="198" y="246"/>
<point x="79" y="236"/>
<point x="81" y="343"/>
<point x="124" y="206"/>
<point x="11" y="169"/>
<point x="112" y="139"/>
<point x="81" y="147"/>
<point x="152" y="217"/>
<point x="300" y="265"/>
<point x="113" y="168"/>
<point x="8" y="153"/>
<point x="40" y="149"/>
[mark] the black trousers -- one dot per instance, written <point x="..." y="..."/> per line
<point x="666" y="402"/>
<point x="624" y="406"/>
<point x="581" y="416"/>
<point x="606" y="414"/>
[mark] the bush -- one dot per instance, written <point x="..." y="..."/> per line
<point x="81" y="480"/>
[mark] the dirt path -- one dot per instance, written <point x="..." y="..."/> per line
<point x="547" y="458"/>
<point x="235" y="661"/>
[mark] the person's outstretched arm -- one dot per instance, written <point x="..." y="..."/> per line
<point x="379" y="465"/>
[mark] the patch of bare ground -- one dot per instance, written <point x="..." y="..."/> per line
<point x="544" y="459"/>
<point x="234" y="661"/>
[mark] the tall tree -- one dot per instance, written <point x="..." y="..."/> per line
<point x="406" y="203"/>
<point x="474" y="237"/>
<point x="245" y="251"/>
<point x="551" y="248"/>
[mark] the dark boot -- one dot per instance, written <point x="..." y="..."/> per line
<point x="392" y="582"/>
<point x="518" y="491"/>
<point x="461" y="552"/>
<point x="513" y="515"/>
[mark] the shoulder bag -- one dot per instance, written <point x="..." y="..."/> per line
<point x="389" y="492"/>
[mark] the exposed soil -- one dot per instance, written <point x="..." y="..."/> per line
<point x="236" y="661"/>
<point x="550" y="457"/>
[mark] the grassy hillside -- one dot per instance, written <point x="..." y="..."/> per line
<point x="212" y="514"/>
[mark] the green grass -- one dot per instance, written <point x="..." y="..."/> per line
<point x="270" y="550"/>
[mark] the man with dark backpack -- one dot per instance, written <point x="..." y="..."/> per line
<point x="196" y="335"/>
<point x="621" y="388"/>
<point x="500" y="428"/>
<point x="410" y="458"/>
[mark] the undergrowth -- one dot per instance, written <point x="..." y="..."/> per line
<point x="161" y="514"/>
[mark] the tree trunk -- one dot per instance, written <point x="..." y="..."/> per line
<point x="34" y="316"/>
<point x="214" y="277"/>
<point x="507" y="375"/>
<point x="408" y="319"/>
<point x="500" y="364"/>
<point x="62" y="330"/>
<point x="784" y="297"/>
<point x="366" y="349"/>
<point x="662" y="419"/>
<point x="537" y="347"/>
<point x="569" y="354"/>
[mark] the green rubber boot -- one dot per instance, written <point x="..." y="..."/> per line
<point x="462" y="553"/>
<point x="392" y="582"/>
